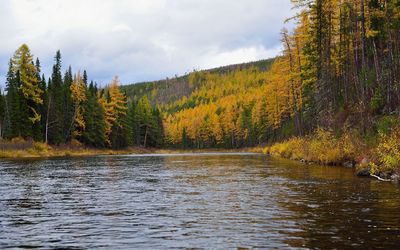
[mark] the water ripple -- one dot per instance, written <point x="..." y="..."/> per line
<point x="184" y="201"/>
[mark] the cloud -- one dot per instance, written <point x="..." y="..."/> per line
<point x="142" y="39"/>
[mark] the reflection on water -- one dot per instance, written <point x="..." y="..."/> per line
<point x="207" y="200"/>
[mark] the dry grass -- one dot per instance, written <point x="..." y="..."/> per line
<point x="321" y="147"/>
<point x="19" y="148"/>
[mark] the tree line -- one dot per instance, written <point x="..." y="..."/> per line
<point x="344" y="62"/>
<point x="67" y="109"/>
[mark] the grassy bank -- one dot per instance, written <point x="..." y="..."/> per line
<point x="19" y="148"/>
<point x="379" y="156"/>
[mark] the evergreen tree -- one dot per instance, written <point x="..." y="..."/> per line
<point x="56" y="110"/>
<point x="13" y="116"/>
<point x="68" y="105"/>
<point x="147" y="122"/>
<point x="94" y="133"/>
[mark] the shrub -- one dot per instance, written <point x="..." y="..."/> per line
<point x="388" y="151"/>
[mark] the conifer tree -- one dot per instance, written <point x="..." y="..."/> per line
<point x="115" y="108"/>
<point x="78" y="94"/>
<point x="94" y="133"/>
<point x="145" y="120"/>
<point x="22" y="63"/>
<point x="68" y="105"/>
<point x="13" y="115"/>
<point x="56" y="112"/>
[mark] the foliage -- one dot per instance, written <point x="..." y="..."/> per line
<point x="78" y="94"/>
<point x="388" y="152"/>
<point x="320" y="147"/>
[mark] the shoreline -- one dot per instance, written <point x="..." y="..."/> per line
<point x="54" y="152"/>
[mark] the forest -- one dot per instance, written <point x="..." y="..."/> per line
<point x="339" y="71"/>
<point x="67" y="109"/>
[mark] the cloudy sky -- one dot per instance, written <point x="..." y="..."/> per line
<point x="141" y="40"/>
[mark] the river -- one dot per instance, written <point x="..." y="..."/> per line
<point x="193" y="200"/>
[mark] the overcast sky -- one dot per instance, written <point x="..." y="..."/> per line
<point x="141" y="40"/>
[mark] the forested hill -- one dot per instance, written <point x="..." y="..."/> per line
<point x="172" y="89"/>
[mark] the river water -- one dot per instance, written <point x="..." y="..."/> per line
<point x="193" y="200"/>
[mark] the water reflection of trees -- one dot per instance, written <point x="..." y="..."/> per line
<point x="334" y="209"/>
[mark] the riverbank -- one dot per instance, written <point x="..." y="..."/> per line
<point x="20" y="149"/>
<point x="41" y="150"/>
<point x="380" y="159"/>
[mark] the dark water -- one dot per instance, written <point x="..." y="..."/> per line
<point x="206" y="201"/>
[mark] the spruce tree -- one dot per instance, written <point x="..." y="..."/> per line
<point x="12" y="103"/>
<point x="68" y="105"/>
<point x="56" y="97"/>
<point x="94" y="133"/>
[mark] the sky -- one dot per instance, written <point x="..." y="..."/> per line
<point x="142" y="40"/>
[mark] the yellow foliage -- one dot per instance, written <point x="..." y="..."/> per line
<point x="388" y="152"/>
<point x="321" y="147"/>
<point x="22" y="63"/>
<point x="226" y="107"/>
<point x="41" y="147"/>
<point x="114" y="105"/>
<point x="78" y="95"/>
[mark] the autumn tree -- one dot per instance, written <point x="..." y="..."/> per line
<point x="78" y="94"/>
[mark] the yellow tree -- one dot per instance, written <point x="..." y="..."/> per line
<point x="22" y="63"/>
<point x="78" y="95"/>
<point x="115" y="107"/>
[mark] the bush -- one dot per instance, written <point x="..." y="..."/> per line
<point x="388" y="152"/>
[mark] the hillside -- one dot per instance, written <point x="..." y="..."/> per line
<point x="172" y="89"/>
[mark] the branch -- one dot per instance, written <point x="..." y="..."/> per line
<point x="379" y="178"/>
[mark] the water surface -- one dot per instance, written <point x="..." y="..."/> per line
<point x="193" y="200"/>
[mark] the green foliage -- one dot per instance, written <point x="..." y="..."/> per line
<point x="56" y="109"/>
<point x="385" y="124"/>
<point x="94" y="133"/>
<point x="146" y="124"/>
